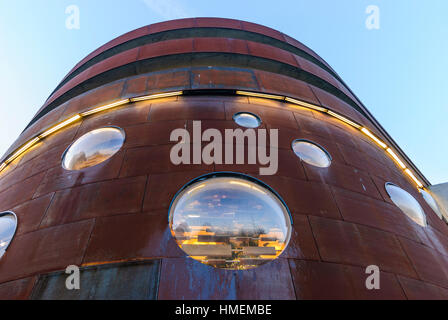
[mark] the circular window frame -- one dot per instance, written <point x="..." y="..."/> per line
<point x="221" y="174"/>
<point x="397" y="186"/>
<point x="5" y="213"/>
<point x="317" y="145"/>
<point x="438" y="212"/>
<point x="249" y="113"/>
<point x="123" y="132"/>
<point x="230" y="174"/>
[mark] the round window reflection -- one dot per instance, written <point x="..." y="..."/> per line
<point x="230" y="221"/>
<point x="93" y="148"/>
<point x="8" y="226"/>
<point x="311" y="153"/>
<point x="247" y="120"/>
<point x="407" y="204"/>
<point x="431" y="202"/>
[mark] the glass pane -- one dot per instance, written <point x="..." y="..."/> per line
<point x="247" y="120"/>
<point x="117" y="281"/>
<point x="431" y="202"/>
<point x="311" y="153"/>
<point x="407" y="204"/>
<point x="7" y="228"/>
<point x="93" y="148"/>
<point x="230" y="222"/>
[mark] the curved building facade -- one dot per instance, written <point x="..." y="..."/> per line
<point x="91" y="181"/>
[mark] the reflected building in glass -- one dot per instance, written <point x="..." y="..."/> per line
<point x="90" y="181"/>
<point x="230" y="221"/>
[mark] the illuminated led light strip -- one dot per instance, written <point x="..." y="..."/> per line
<point x="25" y="147"/>
<point x="77" y="117"/>
<point x="411" y="175"/>
<point x="260" y="95"/>
<point x="123" y="102"/>
<point x="306" y="105"/>
<point x="396" y="158"/>
<point x="374" y="138"/>
<point x="344" y="119"/>
<point x="157" y="96"/>
<point x="106" y="107"/>
<point x="60" y="126"/>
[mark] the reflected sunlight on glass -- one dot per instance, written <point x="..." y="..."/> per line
<point x="431" y="202"/>
<point x="230" y="222"/>
<point x="407" y="204"/>
<point x="93" y="148"/>
<point x="311" y="153"/>
<point x="8" y="224"/>
<point x="247" y="120"/>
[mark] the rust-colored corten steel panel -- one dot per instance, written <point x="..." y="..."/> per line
<point x="117" y="212"/>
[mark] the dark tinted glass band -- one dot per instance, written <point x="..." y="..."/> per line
<point x="189" y="60"/>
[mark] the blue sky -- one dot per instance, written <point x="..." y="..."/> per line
<point x="398" y="71"/>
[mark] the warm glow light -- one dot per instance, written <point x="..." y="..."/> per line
<point x="392" y="153"/>
<point x="157" y="96"/>
<point x="344" y="119"/>
<point x="306" y="105"/>
<point x="378" y="141"/>
<point x="247" y="185"/>
<point x="196" y="188"/>
<point x="260" y="95"/>
<point x="410" y="174"/>
<point x="22" y="150"/>
<point x="299" y="103"/>
<point x="258" y="189"/>
<point x="106" y="107"/>
<point x="60" y="126"/>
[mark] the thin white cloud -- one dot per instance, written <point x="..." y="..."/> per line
<point x="168" y="9"/>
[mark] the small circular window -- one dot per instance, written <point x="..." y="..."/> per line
<point x="407" y="203"/>
<point x="431" y="202"/>
<point x="230" y="221"/>
<point x="311" y="153"/>
<point x="247" y="120"/>
<point x="93" y="148"/>
<point x="8" y="226"/>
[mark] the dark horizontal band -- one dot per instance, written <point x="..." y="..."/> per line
<point x="196" y="33"/>
<point x="197" y="60"/>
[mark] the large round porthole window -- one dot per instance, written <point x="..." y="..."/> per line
<point x="93" y="148"/>
<point x="8" y="226"/>
<point x="407" y="203"/>
<point x="230" y="221"/>
<point x="247" y="120"/>
<point x="431" y="202"/>
<point x="311" y="153"/>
